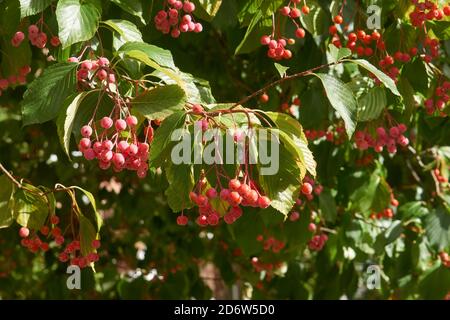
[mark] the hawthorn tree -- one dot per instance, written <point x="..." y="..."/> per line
<point x="354" y="94"/>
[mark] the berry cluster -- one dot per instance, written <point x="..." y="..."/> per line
<point x="431" y="49"/>
<point x="77" y="259"/>
<point x="440" y="100"/>
<point x="177" y="18"/>
<point x="445" y="259"/>
<point x="427" y="11"/>
<point x="91" y="70"/>
<point x="12" y="80"/>
<point x="387" y="213"/>
<point x="309" y="189"/>
<point x="318" y="242"/>
<point x="335" y="135"/>
<point x="384" y="138"/>
<point x="237" y="194"/>
<point x="360" y="43"/>
<point x="37" y="38"/>
<point x="293" y="108"/>
<point x="117" y="145"/>
<point x="268" y="267"/>
<point x="277" y="46"/>
<point x="271" y="244"/>
<point x="439" y="177"/>
<point x="34" y="243"/>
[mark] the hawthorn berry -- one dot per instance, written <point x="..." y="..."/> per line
<point x="24" y="232"/>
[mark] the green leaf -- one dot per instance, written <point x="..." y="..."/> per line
<point x="6" y="202"/>
<point x="337" y="54"/>
<point x="372" y="196"/>
<point x="9" y="18"/>
<point x="160" y="102"/>
<point x="143" y="57"/>
<point x="45" y="95"/>
<point x="327" y="206"/>
<point x="437" y="226"/>
<point x="78" y="21"/>
<point x="384" y="78"/>
<point x="314" y="21"/>
<point x="161" y="56"/>
<point x="162" y="138"/>
<point x="258" y="27"/>
<point x="124" y="31"/>
<point x="246" y="229"/>
<point x="87" y="235"/>
<point x="440" y="28"/>
<point x="133" y="7"/>
<point x="283" y="187"/>
<point x="97" y="219"/>
<point x="207" y="9"/>
<point x="31" y="207"/>
<point x="281" y="69"/>
<point x="181" y="182"/>
<point x="66" y="118"/>
<point x="372" y="104"/>
<point x="32" y="7"/>
<point x="292" y="127"/>
<point x="342" y="100"/>
<point x="435" y="283"/>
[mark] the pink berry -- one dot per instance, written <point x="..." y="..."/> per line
<point x="182" y="220"/>
<point x="89" y="154"/>
<point x="59" y="240"/>
<point x="24" y="232"/>
<point x="312" y="227"/>
<point x="102" y="74"/>
<point x="394" y="132"/>
<point x="198" y="27"/>
<point x="120" y="124"/>
<point x="213" y="219"/>
<point x="265" y="40"/>
<point x="224" y="194"/>
<point x="229" y="218"/>
<point x="54" y="41"/>
<point x="4" y="84"/>
<point x="118" y="160"/>
<point x="33" y="30"/>
<point x="211" y="193"/>
<point x="103" y="62"/>
<point x="85" y="143"/>
<point x="188" y="7"/>
<point x="96" y="244"/>
<point x="307" y="188"/>
<point x="86" y="131"/>
<point x="264" y="202"/>
<point x="294" y="216"/>
<point x="197" y="109"/>
<point x="106" y="122"/>
<point x="234" y="184"/>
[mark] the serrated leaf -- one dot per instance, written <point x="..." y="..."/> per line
<point x="6" y="203"/>
<point x="78" y="21"/>
<point x="45" y="95"/>
<point x="160" y="56"/>
<point x="87" y="235"/>
<point x="258" y="27"/>
<point x="160" y="102"/>
<point x="124" y="31"/>
<point x="181" y="182"/>
<point x="162" y="139"/>
<point x="66" y="118"/>
<point x="293" y="128"/>
<point x="133" y="7"/>
<point x="372" y="196"/>
<point x="440" y="28"/>
<point x="384" y="78"/>
<point x="337" y="54"/>
<point x="437" y="225"/>
<point x="31" y="207"/>
<point x="372" y="104"/>
<point x="32" y="7"/>
<point x="341" y="99"/>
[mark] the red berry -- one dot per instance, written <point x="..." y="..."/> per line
<point x="96" y="244"/>
<point x="45" y="230"/>
<point x="305" y="9"/>
<point x="106" y="122"/>
<point x="307" y="188"/>
<point x="197" y="109"/>
<point x="211" y="193"/>
<point x="338" y="19"/>
<point x="182" y="220"/>
<point x="224" y="194"/>
<point x="264" y="98"/>
<point x="234" y="184"/>
<point x="300" y="33"/>
<point x="263" y="202"/>
<point x="312" y="227"/>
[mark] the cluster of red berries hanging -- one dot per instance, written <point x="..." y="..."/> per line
<point x="445" y="259"/>
<point x="439" y="177"/>
<point x="52" y="233"/>
<point x="239" y="193"/>
<point x="117" y="144"/>
<point x="15" y="79"/>
<point x="317" y="242"/>
<point x="335" y="135"/>
<point x="292" y="108"/>
<point x="309" y="189"/>
<point x="271" y="244"/>
<point x="277" y="45"/>
<point x="268" y="267"/>
<point x="177" y="18"/>
<point x="37" y="38"/>
<point x="427" y="11"/>
<point x="387" y="213"/>
<point x="94" y="72"/>
<point x="72" y="254"/>
<point x="383" y="138"/>
<point x="440" y="99"/>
